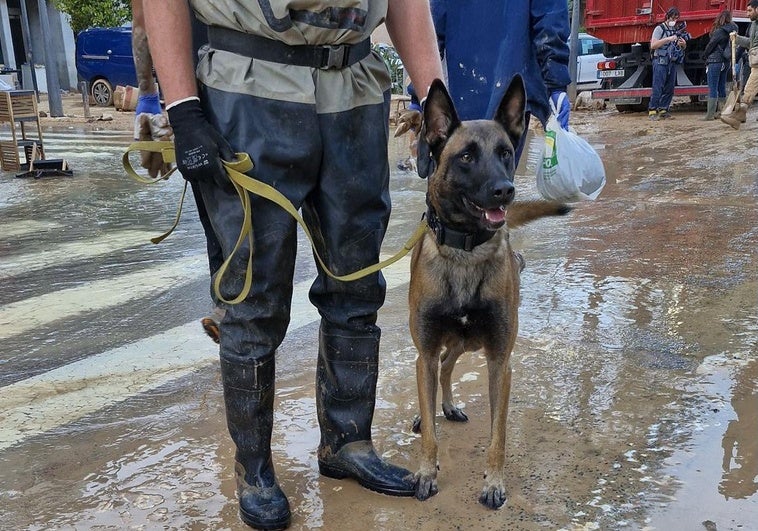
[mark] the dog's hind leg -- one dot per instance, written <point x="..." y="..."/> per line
<point x="499" y="368"/>
<point x="449" y="357"/>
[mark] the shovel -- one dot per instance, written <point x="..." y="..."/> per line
<point x="734" y="112"/>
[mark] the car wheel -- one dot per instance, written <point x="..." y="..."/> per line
<point x="102" y="93"/>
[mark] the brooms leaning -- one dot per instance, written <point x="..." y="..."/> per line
<point x="735" y="110"/>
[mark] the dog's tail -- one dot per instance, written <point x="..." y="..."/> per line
<point x="522" y="212"/>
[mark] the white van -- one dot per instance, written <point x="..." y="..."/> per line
<point x="589" y="54"/>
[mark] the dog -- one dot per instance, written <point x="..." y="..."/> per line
<point x="464" y="286"/>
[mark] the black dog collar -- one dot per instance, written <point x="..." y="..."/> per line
<point x="453" y="238"/>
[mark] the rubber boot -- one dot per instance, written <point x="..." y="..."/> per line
<point x="737" y="117"/>
<point x="249" y="400"/>
<point x="711" y="110"/>
<point x="346" y="375"/>
<point x="721" y="102"/>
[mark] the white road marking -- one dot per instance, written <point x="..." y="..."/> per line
<point x="66" y="394"/>
<point x="28" y="314"/>
<point x="72" y="251"/>
<point x="14" y="229"/>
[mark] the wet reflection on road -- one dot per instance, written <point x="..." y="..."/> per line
<point x="634" y="397"/>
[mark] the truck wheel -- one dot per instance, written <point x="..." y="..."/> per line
<point x="102" y="92"/>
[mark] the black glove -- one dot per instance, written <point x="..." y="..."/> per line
<point x="199" y="147"/>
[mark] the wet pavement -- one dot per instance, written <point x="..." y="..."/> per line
<point x="635" y="388"/>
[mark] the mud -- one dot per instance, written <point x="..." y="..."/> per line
<point x="634" y="399"/>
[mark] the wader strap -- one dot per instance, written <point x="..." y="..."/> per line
<point x="243" y="184"/>
<point x="324" y="57"/>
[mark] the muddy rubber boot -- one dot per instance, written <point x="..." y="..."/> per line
<point x="710" y="113"/>
<point x="737" y="117"/>
<point x="346" y="376"/>
<point x="720" y="103"/>
<point x="249" y="400"/>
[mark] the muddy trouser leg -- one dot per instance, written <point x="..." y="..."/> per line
<point x="751" y="87"/>
<point x="659" y="79"/>
<point x="282" y="150"/>
<point x="348" y="213"/>
<point x="667" y="95"/>
<point x="210" y="323"/>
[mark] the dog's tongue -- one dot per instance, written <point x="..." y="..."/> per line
<point x="494" y="215"/>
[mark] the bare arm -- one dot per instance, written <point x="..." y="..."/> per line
<point x="657" y="43"/>
<point x="168" y="28"/>
<point x="143" y="63"/>
<point x="409" y="24"/>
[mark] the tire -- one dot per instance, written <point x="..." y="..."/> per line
<point x="102" y="93"/>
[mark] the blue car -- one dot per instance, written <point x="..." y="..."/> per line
<point x="104" y="59"/>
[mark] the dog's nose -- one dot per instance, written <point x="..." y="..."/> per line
<point x="504" y="192"/>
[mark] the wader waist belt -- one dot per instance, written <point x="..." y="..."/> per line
<point x="325" y="57"/>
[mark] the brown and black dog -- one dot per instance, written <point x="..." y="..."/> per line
<point x="464" y="289"/>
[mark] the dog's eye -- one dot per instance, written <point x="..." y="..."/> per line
<point x="466" y="157"/>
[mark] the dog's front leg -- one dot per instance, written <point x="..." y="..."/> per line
<point x="499" y="369"/>
<point x="426" y="377"/>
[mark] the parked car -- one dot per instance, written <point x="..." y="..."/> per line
<point x="589" y="54"/>
<point x="104" y="59"/>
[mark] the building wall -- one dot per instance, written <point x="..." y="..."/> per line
<point x="60" y="39"/>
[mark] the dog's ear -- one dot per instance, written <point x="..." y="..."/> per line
<point x="440" y="118"/>
<point x="510" y="112"/>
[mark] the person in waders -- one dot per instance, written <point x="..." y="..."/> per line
<point x="295" y="85"/>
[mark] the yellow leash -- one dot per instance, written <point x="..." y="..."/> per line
<point x="242" y="184"/>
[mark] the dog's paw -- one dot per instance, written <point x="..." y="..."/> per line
<point x="455" y="414"/>
<point x="416" y="424"/>
<point x="426" y="485"/>
<point x="493" y="496"/>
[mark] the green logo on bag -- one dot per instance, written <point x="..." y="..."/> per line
<point x="550" y="159"/>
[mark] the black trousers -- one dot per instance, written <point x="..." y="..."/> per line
<point x="333" y="166"/>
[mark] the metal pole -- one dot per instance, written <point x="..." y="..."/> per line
<point x="51" y="64"/>
<point x="28" y="46"/>
<point x="85" y="98"/>
<point x="574" y="49"/>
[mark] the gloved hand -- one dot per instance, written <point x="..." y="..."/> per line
<point x="199" y="147"/>
<point x="150" y="124"/>
<point x="149" y="103"/>
<point x="153" y="127"/>
<point x="561" y="107"/>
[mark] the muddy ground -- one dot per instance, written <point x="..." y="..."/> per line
<point x="634" y="400"/>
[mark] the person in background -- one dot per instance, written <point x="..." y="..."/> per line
<point x="738" y="115"/>
<point x="718" y="61"/>
<point x="295" y="86"/>
<point x="512" y="37"/>
<point x="667" y="45"/>
<point x="151" y="124"/>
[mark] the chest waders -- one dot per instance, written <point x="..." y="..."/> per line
<point x="335" y="167"/>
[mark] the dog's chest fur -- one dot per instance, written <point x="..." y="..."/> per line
<point x="462" y="292"/>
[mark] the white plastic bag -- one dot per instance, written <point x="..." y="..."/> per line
<point x="570" y="170"/>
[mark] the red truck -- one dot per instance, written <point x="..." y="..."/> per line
<point x="626" y="27"/>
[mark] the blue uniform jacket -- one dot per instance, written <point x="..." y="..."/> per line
<point x="486" y="42"/>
